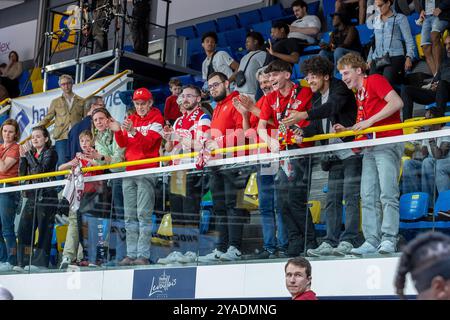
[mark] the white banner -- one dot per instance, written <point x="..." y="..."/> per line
<point x="29" y="110"/>
<point x="20" y="38"/>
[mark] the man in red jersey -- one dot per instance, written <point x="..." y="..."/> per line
<point x="295" y="174"/>
<point x="275" y="239"/>
<point x="141" y="136"/>
<point x="187" y="135"/>
<point x="226" y="129"/>
<point x="298" y="279"/>
<point x="378" y="104"/>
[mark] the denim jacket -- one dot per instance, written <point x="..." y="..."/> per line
<point x="383" y="32"/>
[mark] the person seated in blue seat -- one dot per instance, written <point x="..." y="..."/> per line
<point x="307" y="27"/>
<point x="282" y="47"/>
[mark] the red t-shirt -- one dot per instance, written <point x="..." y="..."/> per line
<point x="226" y="123"/>
<point x="370" y="100"/>
<point x="171" y="108"/>
<point x="10" y="152"/>
<point x="307" y="295"/>
<point x="275" y="105"/>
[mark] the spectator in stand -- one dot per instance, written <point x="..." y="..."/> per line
<point x="216" y="61"/>
<point x="333" y="103"/>
<point x="439" y="90"/>
<point x="9" y="168"/>
<point x="37" y="156"/>
<point x="392" y="33"/>
<point x="91" y="192"/>
<point x="90" y="105"/>
<point x="432" y="15"/>
<point x="171" y="108"/>
<point x="427" y="258"/>
<point x="141" y="136"/>
<point x="294" y="176"/>
<point x="307" y="27"/>
<point x="10" y="75"/>
<point x="67" y="111"/>
<point x="418" y="173"/>
<point x="378" y="104"/>
<point x="298" y="279"/>
<point x="283" y="48"/>
<point x="275" y="241"/>
<point x="355" y="9"/>
<point x="251" y="62"/>
<point x="343" y="39"/>
<point x="197" y="124"/>
<point x="226" y="129"/>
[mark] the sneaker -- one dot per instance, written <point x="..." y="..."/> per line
<point x="265" y="254"/>
<point x="281" y="254"/>
<point x="365" y="248"/>
<point x="171" y="258"/>
<point x="141" y="262"/>
<point x="343" y="248"/>
<point x="65" y="262"/>
<point x="127" y="261"/>
<point x="188" y="257"/>
<point x="211" y="257"/>
<point x="6" y="267"/>
<point x="386" y="247"/>
<point x="232" y="254"/>
<point x="18" y="269"/>
<point x="325" y="249"/>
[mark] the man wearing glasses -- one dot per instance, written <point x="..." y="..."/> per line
<point x="226" y="130"/>
<point x="67" y="111"/>
<point x="90" y="105"/>
<point x="187" y="135"/>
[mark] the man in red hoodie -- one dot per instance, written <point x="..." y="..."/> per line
<point x="226" y="129"/>
<point x="141" y="136"/>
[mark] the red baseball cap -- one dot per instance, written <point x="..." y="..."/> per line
<point x="142" y="94"/>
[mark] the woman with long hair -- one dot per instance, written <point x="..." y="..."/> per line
<point x="10" y="75"/>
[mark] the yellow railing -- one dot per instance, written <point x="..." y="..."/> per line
<point x="232" y="149"/>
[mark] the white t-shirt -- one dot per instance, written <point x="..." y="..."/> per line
<point x="308" y="21"/>
<point x="256" y="63"/>
<point x="221" y="63"/>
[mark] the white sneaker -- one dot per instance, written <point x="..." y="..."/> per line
<point x="386" y="247"/>
<point x="171" y="258"/>
<point x="343" y="248"/>
<point x="18" y="269"/>
<point x="6" y="267"/>
<point x="65" y="262"/>
<point x="325" y="249"/>
<point x="366" y="248"/>
<point x="232" y="254"/>
<point x="188" y="257"/>
<point x="211" y="257"/>
<point x="32" y="268"/>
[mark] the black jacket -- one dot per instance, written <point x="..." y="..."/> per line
<point x="340" y="108"/>
<point x="46" y="162"/>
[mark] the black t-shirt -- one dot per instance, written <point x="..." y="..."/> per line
<point x="284" y="46"/>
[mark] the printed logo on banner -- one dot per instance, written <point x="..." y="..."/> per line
<point x="22" y="120"/>
<point x="176" y="283"/>
<point x="63" y="39"/>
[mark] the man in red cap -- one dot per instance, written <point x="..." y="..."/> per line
<point x="141" y="136"/>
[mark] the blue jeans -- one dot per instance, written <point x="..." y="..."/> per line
<point x="8" y="244"/>
<point x="380" y="193"/>
<point x="418" y="176"/>
<point x="443" y="174"/>
<point x="61" y="147"/>
<point x="431" y="24"/>
<point x="272" y="226"/>
<point x="117" y="198"/>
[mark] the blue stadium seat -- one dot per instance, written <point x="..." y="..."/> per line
<point x="264" y="28"/>
<point x="414" y="205"/>
<point x="223" y="42"/>
<point x="442" y="202"/>
<point x="272" y="12"/>
<point x="311" y="49"/>
<point x="364" y="33"/>
<point x="52" y="82"/>
<point x="194" y="46"/>
<point x="188" y="32"/>
<point x="300" y="61"/>
<point x="415" y="29"/>
<point x="248" y="18"/>
<point x="186" y="79"/>
<point x="433" y="105"/>
<point x="196" y="60"/>
<point x="313" y="8"/>
<point x="23" y="80"/>
<point x="328" y="8"/>
<point x="227" y="23"/>
<point x="236" y="38"/>
<point x="325" y="37"/>
<point x="204" y="27"/>
<point x="296" y="74"/>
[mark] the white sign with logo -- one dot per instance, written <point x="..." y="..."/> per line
<point x="29" y="110"/>
<point x="20" y="38"/>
